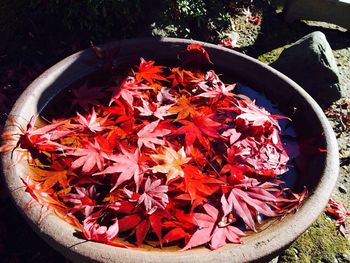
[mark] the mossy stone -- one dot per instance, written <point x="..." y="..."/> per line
<point x="271" y="56"/>
<point x="322" y="242"/>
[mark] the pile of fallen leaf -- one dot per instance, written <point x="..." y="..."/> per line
<point x="173" y="158"/>
<point x="337" y="211"/>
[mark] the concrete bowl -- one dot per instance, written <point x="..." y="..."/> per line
<point x="320" y="174"/>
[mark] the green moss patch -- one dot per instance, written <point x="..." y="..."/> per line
<point x="271" y="56"/>
<point x="322" y="242"/>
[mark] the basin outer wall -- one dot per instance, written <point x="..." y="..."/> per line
<point x="305" y="113"/>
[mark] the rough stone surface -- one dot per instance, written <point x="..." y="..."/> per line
<point x="310" y="63"/>
<point x="331" y="11"/>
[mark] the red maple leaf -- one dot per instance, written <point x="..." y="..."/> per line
<point x="195" y="54"/>
<point x="43" y="139"/>
<point x="199" y="128"/>
<point x="128" y="222"/>
<point x="198" y="184"/>
<point x="175" y="234"/>
<point x="338" y="211"/>
<point x="237" y="171"/>
<point x="148" y="72"/>
<point x="289" y="201"/>
<point x="121" y="111"/>
<point x="250" y="17"/>
<point x="181" y="224"/>
<point x="185" y="78"/>
<point x="143" y="224"/>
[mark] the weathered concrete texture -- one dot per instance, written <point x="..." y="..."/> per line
<point x="331" y="11"/>
<point x="310" y="63"/>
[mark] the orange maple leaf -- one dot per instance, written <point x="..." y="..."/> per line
<point x="172" y="162"/>
<point x="183" y="108"/>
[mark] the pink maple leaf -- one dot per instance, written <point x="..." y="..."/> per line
<point x="83" y="200"/>
<point x="233" y="134"/>
<point x="148" y="135"/>
<point x="212" y="230"/>
<point x="148" y="109"/>
<point x="92" y="230"/>
<point x="266" y="158"/>
<point x="89" y="157"/>
<point x="213" y="86"/>
<point x="248" y="202"/>
<point x="154" y="196"/>
<point x="129" y="89"/>
<point x="127" y="164"/>
<point x="91" y="122"/>
<point x="256" y="116"/>
<point x="164" y="95"/>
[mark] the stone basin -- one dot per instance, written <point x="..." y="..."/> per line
<point x="320" y="175"/>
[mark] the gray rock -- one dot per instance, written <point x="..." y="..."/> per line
<point x="310" y="63"/>
<point x="345" y="256"/>
<point x="342" y="189"/>
<point x="275" y="260"/>
<point x="296" y="251"/>
<point x="331" y="11"/>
